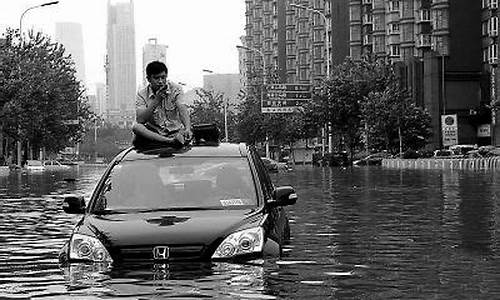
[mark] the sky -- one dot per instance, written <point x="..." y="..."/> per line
<point x="200" y="34"/>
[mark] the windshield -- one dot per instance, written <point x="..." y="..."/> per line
<point x="178" y="183"/>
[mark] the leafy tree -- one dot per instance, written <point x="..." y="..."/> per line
<point x="209" y="108"/>
<point x="364" y="98"/>
<point x="254" y="126"/>
<point x="106" y="141"/>
<point x="39" y="93"/>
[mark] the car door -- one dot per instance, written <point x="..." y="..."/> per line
<point x="277" y="216"/>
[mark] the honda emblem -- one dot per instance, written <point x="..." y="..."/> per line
<point x="161" y="252"/>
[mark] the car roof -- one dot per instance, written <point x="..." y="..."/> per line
<point x="219" y="150"/>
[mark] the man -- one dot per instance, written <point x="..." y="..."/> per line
<point x="161" y="116"/>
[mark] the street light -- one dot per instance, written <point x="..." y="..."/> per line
<point x="28" y="9"/>
<point x="263" y="83"/>
<point x="327" y="29"/>
<point x="19" y="146"/>
<point x="327" y="60"/>
<point x="226" y="139"/>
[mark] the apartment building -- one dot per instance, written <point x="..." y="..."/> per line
<point x="436" y="46"/>
<point x="489" y="32"/>
<point x="445" y="50"/>
<point x="293" y="41"/>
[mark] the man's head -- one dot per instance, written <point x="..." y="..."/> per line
<point x="156" y="73"/>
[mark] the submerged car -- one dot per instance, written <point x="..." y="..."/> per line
<point x="275" y="166"/>
<point x="203" y="202"/>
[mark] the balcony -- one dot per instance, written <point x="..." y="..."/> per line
<point x="367" y="40"/>
<point x="367" y="19"/>
<point x="424" y="40"/>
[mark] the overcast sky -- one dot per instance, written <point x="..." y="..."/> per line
<point x="200" y="34"/>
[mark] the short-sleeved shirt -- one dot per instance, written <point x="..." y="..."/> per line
<point x="166" y="116"/>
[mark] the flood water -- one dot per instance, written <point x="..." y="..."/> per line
<point x="361" y="233"/>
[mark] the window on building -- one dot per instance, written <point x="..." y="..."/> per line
<point x="368" y="18"/>
<point x="493" y="3"/>
<point x="493" y="53"/>
<point x="440" y="19"/>
<point x="394" y="28"/>
<point x="493" y="26"/>
<point x="424" y="15"/>
<point x="303" y="75"/>
<point x="395" y="51"/>
<point x="394" y="5"/>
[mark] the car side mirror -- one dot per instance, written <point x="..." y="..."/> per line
<point x="74" y="204"/>
<point x="283" y="196"/>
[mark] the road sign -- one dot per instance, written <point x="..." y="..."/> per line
<point x="286" y="98"/>
<point x="449" y="127"/>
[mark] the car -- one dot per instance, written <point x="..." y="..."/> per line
<point x="202" y="202"/>
<point x="372" y="159"/>
<point x="44" y="165"/>
<point x="275" y="166"/>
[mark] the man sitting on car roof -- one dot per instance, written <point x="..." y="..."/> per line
<point x="161" y="116"/>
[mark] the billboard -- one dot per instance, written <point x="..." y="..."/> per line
<point x="449" y="130"/>
<point x="285" y="98"/>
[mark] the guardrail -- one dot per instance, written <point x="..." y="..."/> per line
<point x="488" y="163"/>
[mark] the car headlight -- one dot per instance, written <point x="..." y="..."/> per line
<point x="85" y="247"/>
<point x="241" y="242"/>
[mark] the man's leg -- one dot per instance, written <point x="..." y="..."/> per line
<point x="145" y="134"/>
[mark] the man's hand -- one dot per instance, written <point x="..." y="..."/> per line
<point x="188" y="135"/>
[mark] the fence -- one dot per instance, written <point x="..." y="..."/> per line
<point x="489" y="163"/>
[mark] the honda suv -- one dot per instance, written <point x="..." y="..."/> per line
<point x="206" y="202"/>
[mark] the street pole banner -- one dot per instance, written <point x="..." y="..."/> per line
<point x="286" y="98"/>
<point x="449" y="128"/>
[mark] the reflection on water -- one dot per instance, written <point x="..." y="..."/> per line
<point x="356" y="233"/>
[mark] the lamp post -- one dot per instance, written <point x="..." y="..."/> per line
<point x="327" y="61"/>
<point x="28" y="9"/>
<point x="19" y="146"/>
<point x="264" y="81"/>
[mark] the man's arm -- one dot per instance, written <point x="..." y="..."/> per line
<point x="144" y="111"/>
<point x="185" y="119"/>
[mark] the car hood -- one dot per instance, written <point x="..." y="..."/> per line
<point x="167" y="227"/>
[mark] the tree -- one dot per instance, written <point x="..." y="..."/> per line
<point x="364" y="99"/>
<point x="41" y="101"/>
<point x="209" y="108"/>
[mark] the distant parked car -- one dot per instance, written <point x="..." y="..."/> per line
<point x="274" y="166"/>
<point x="44" y="165"/>
<point x="372" y="159"/>
<point x="444" y="153"/>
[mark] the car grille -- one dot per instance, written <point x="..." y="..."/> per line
<point x="189" y="252"/>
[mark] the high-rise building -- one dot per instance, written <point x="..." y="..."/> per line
<point x="294" y="41"/>
<point x="489" y="31"/>
<point x="100" y="93"/>
<point x="436" y="45"/>
<point x="153" y="51"/>
<point x="70" y="35"/>
<point x="120" y="63"/>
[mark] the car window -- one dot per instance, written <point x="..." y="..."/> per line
<point x="178" y="182"/>
<point x="265" y="181"/>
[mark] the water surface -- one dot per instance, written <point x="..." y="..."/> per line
<point x="362" y="233"/>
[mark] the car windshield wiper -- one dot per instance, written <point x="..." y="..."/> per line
<point x="187" y="208"/>
<point x="110" y="212"/>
